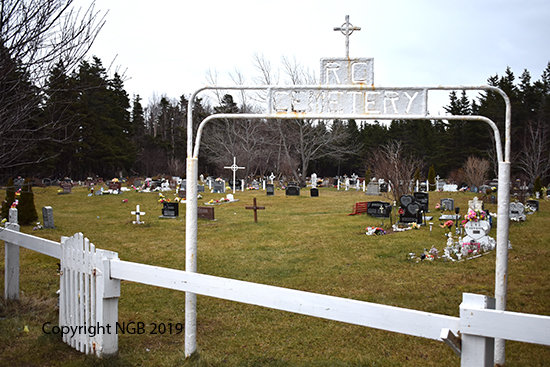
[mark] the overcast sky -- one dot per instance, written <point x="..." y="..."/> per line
<point x="166" y="47"/>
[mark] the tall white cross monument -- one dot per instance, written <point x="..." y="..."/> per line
<point x="234" y="168"/>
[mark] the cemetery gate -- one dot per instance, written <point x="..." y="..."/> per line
<point x="349" y="101"/>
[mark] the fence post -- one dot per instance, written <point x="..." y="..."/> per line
<point x="11" y="257"/>
<point x="108" y="293"/>
<point x="477" y="351"/>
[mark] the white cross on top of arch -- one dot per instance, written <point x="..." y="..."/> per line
<point x="347" y="29"/>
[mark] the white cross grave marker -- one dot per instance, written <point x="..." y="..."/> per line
<point x="234" y="168"/>
<point x="272" y="177"/>
<point x="137" y="213"/>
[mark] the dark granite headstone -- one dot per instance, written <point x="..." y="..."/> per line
<point x="384" y="187"/>
<point x="293" y="191"/>
<point x="412" y="210"/>
<point x="270" y="189"/>
<point x="379" y="209"/>
<point x="238" y="184"/>
<point x="314" y="192"/>
<point x="114" y="186"/>
<point x="424" y="199"/>
<point x="170" y="210"/>
<point x="205" y="212"/>
<point x="18" y="183"/>
<point x="533" y="204"/>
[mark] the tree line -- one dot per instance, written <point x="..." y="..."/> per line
<point x="63" y="115"/>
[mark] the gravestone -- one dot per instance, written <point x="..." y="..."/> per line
<point x="373" y="189"/>
<point x="412" y="210"/>
<point x="47" y="217"/>
<point x="292" y="189"/>
<point x="473" y="188"/>
<point x="533" y="206"/>
<point x="314" y="192"/>
<point x="205" y="212"/>
<point x="255" y="185"/>
<point x="200" y="188"/>
<point x="115" y="186"/>
<point x="379" y="209"/>
<point x="447" y="204"/>
<point x="218" y="187"/>
<point x="450" y="187"/>
<point x="182" y="194"/>
<point x="424" y="199"/>
<point x="384" y="187"/>
<point x="270" y="189"/>
<point x="170" y="210"/>
<point x="66" y="186"/>
<point x="440" y="184"/>
<point x="517" y="212"/>
<point x="238" y="185"/>
<point x="313" y="180"/>
<point x="475" y="204"/>
<point x="477" y="232"/>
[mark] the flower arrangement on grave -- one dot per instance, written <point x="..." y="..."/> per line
<point x="375" y="231"/>
<point x="162" y="198"/>
<point x="433" y="251"/>
<point x="401" y="211"/>
<point x="414" y="225"/>
<point x="447" y="224"/>
<point x="474" y="216"/>
<point x="37" y="227"/>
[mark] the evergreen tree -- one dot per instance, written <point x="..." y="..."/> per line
<point x="10" y="198"/>
<point x="26" y="211"/>
<point x="431" y="179"/>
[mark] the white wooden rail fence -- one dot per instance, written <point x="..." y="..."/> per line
<point x="90" y="288"/>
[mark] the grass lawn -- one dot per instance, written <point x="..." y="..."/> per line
<point x="303" y="243"/>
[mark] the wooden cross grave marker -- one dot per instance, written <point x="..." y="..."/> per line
<point x="255" y="207"/>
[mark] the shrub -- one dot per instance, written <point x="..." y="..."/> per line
<point x="10" y="198"/>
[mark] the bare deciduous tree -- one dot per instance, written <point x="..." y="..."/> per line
<point x="476" y="171"/>
<point x="534" y="158"/>
<point x="391" y="164"/>
<point x="35" y="37"/>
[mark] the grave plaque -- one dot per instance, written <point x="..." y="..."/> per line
<point x="170" y="210"/>
<point x="47" y="216"/>
<point x="424" y="199"/>
<point x="205" y="212"/>
<point x="314" y="192"/>
<point x="270" y="189"/>
<point x="379" y="209"/>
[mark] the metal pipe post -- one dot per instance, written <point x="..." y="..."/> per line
<point x="191" y="255"/>
<point x="501" y="271"/>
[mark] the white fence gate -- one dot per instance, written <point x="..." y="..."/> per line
<point x="88" y="299"/>
<point x="90" y="288"/>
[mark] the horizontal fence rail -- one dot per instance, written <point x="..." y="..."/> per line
<point x="42" y="245"/>
<point x="400" y="320"/>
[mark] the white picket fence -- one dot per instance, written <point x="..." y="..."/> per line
<point x="90" y="288"/>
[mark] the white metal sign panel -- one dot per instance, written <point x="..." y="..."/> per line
<point x="374" y="101"/>
<point x="347" y="71"/>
